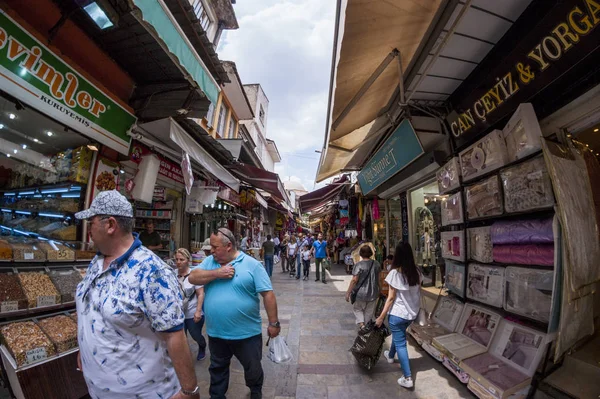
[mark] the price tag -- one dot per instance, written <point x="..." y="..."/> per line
<point x="67" y="273"/>
<point x="46" y="300"/>
<point x="9" y="306"/>
<point x="35" y="355"/>
<point x="28" y="255"/>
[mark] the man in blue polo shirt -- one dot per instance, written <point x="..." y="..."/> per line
<point x="232" y="281"/>
<point x="319" y="249"/>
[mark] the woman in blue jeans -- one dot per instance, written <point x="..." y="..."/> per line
<point x="193" y="298"/>
<point x="402" y="304"/>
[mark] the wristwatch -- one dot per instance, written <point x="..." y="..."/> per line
<point x="191" y="393"/>
<point x="276" y="324"/>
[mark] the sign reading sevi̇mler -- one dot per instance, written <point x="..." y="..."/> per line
<point x="399" y="150"/>
<point x="31" y="72"/>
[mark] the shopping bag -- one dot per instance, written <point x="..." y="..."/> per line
<point x="327" y="264"/>
<point x="368" y="345"/>
<point x="276" y="259"/>
<point x="279" y="352"/>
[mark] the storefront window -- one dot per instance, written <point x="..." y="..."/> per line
<point x="379" y="233"/>
<point x="425" y="235"/>
<point x="395" y="222"/>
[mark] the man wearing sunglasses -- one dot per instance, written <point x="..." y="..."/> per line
<point x="130" y="313"/>
<point x="232" y="282"/>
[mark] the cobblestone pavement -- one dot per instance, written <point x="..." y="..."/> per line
<point x="319" y="328"/>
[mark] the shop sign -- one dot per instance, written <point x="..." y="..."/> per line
<point x="167" y="169"/>
<point x="227" y="194"/>
<point x="33" y="73"/>
<point x="561" y="39"/>
<point x="398" y="151"/>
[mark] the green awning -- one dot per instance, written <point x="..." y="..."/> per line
<point x="155" y="13"/>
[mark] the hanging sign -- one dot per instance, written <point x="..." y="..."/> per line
<point x="31" y="72"/>
<point x="227" y="194"/>
<point x="188" y="175"/>
<point x="167" y="169"/>
<point x="398" y="151"/>
<point x="562" y="38"/>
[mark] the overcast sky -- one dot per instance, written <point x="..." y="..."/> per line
<point x="285" y="45"/>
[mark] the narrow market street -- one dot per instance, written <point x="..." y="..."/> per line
<point x="319" y="326"/>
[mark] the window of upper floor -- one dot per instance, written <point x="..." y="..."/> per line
<point x="231" y="132"/>
<point x="210" y="115"/>
<point x="207" y="19"/>
<point x="261" y="115"/>
<point x="222" y="120"/>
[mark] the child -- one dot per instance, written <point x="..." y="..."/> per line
<point x="306" y="261"/>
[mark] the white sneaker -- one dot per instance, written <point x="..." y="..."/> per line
<point x="387" y="357"/>
<point x="405" y="382"/>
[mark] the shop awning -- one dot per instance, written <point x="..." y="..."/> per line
<point x="365" y="34"/>
<point x="261" y="179"/>
<point x="175" y="137"/>
<point x="158" y="15"/>
<point x="323" y="195"/>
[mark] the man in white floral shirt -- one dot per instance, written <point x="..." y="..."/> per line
<point x="130" y="313"/>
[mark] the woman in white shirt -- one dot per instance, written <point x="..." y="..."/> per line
<point x="403" y="306"/>
<point x="193" y="298"/>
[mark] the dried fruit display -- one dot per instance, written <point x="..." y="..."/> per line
<point x="66" y="282"/>
<point x="26" y="342"/>
<point x="61" y="330"/>
<point x="39" y="289"/>
<point x="56" y="251"/>
<point x="25" y="251"/>
<point x="6" y="252"/>
<point x="12" y="296"/>
<point x="68" y="233"/>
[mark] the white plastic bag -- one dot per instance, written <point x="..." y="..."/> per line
<point x="279" y="352"/>
<point x="276" y="259"/>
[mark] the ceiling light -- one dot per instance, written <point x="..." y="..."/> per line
<point x="49" y="133"/>
<point x="596" y="129"/>
<point x="15" y="151"/>
<point x="12" y="116"/>
<point x="36" y="141"/>
<point x="122" y="171"/>
<point x="7" y="155"/>
<point x="587" y="145"/>
<point x="23" y="72"/>
<point x="98" y="15"/>
<point x="569" y="136"/>
<point x="24" y="146"/>
<point x="1" y="126"/>
<point x="92" y="147"/>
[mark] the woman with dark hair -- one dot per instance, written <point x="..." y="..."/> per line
<point x="403" y="306"/>
<point x="366" y="275"/>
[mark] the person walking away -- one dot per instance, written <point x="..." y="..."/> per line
<point x="306" y="261"/>
<point x="292" y="248"/>
<point x="402" y="304"/>
<point x="151" y="238"/>
<point x="244" y="243"/>
<point x="193" y="298"/>
<point x="366" y="274"/>
<point x="284" y="256"/>
<point x="128" y="336"/>
<point x="268" y="248"/>
<point x="319" y="249"/>
<point x="233" y="282"/>
<point x="277" y="245"/>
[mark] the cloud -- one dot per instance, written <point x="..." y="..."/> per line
<point x="286" y="46"/>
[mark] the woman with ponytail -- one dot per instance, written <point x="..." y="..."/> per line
<point x="402" y="304"/>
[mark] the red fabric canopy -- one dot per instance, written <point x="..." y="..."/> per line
<point x="323" y="195"/>
<point x="261" y="179"/>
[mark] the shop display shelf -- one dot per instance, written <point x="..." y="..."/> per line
<point x="535" y="213"/>
<point x="41" y="212"/>
<point x="37" y="311"/>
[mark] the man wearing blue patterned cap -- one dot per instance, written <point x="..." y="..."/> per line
<point x="130" y="313"/>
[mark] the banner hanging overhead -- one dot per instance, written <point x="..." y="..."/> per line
<point x="398" y="151"/>
<point x="31" y="72"/>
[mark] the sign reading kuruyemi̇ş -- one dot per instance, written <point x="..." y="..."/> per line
<point x="399" y="150"/>
<point x="31" y="72"/>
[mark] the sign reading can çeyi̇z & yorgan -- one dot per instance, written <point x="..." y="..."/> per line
<point x="32" y="73"/>
<point x="557" y="41"/>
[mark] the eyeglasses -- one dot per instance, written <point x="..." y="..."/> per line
<point x="229" y="237"/>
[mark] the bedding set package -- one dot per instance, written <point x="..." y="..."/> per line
<point x="485" y="284"/>
<point x="455" y="278"/>
<point x="523" y="242"/>
<point x="529" y="292"/>
<point x="453" y="245"/>
<point x="514" y="355"/>
<point x="480" y="244"/>
<point x="452" y="210"/>
<point x="444" y="320"/>
<point x="527" y="186"/>
<point x="486" y="155"/>
<point x="484" y="199"/>
<point x="522" y="133"/>
<point x="448" y="177"/>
